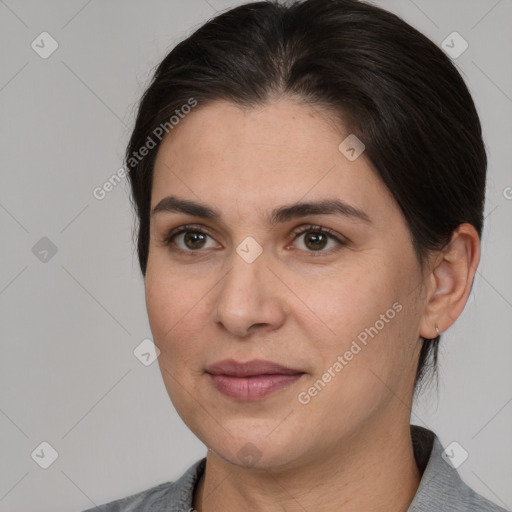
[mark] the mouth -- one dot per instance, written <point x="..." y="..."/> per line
<point x="251" y="380"/>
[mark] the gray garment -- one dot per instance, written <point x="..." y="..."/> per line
<point x="441" y="488"/>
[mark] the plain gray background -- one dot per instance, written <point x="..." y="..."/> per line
<point x="69" y="325"/>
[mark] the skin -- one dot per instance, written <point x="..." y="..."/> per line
<point x="350" y="445"/>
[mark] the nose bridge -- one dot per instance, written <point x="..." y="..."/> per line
<point x="246" y="296"/>
<point x="242" y="284"/>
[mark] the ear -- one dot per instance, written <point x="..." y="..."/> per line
<point x="449" y="283"/>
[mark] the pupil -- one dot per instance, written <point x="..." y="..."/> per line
<point x="317" y="239"/>
<point x="194" y="240"/>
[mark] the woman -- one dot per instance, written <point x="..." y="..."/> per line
<point x="309" y="182"/>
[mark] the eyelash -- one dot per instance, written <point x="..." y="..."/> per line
<point x="297" y="233"/>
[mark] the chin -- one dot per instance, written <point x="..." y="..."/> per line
<point x="256" y="451"/>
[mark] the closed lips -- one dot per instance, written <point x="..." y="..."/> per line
<point x="252" y="380"/>
<point x="252" y="368"/>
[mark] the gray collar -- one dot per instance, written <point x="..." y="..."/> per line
<point x="440" y="489"/>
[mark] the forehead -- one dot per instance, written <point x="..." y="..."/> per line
<point x="222" y="129"/>
<point x="279" y="152"/>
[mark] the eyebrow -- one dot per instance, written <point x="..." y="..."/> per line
<point x="172" y="204"/>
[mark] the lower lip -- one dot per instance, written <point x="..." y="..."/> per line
<point x="252" y="388"/>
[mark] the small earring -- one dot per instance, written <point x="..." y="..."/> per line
<point x="438" y="331"/>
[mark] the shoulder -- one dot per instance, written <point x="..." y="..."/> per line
<point x="441" y="487"/>
<point x="143" y="501"/>
<point x="166" y="497"/>
<point x="476" y="502"/>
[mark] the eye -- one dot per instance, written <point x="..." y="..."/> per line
<point x="318" y="239"/>
<point x="312" y="239"/>
<point x="189" y="239"/>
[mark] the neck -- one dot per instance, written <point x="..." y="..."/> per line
<point x="374" y="470"/>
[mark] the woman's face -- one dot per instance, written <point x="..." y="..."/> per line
<point x="340" y="310"/>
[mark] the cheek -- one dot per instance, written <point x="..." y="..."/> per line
<point x="369" y="356"/>
<point x="176" y="307"/>
<point x="341" y="304"/>
<point x="366" y="315"/>
<point x="179" y="304"/>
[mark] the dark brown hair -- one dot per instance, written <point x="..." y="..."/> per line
<point x="388" y="84"/>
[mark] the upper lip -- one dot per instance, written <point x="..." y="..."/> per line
<point x="249" y="368"/>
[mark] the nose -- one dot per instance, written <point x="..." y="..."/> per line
<point x="249" y="298"/>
